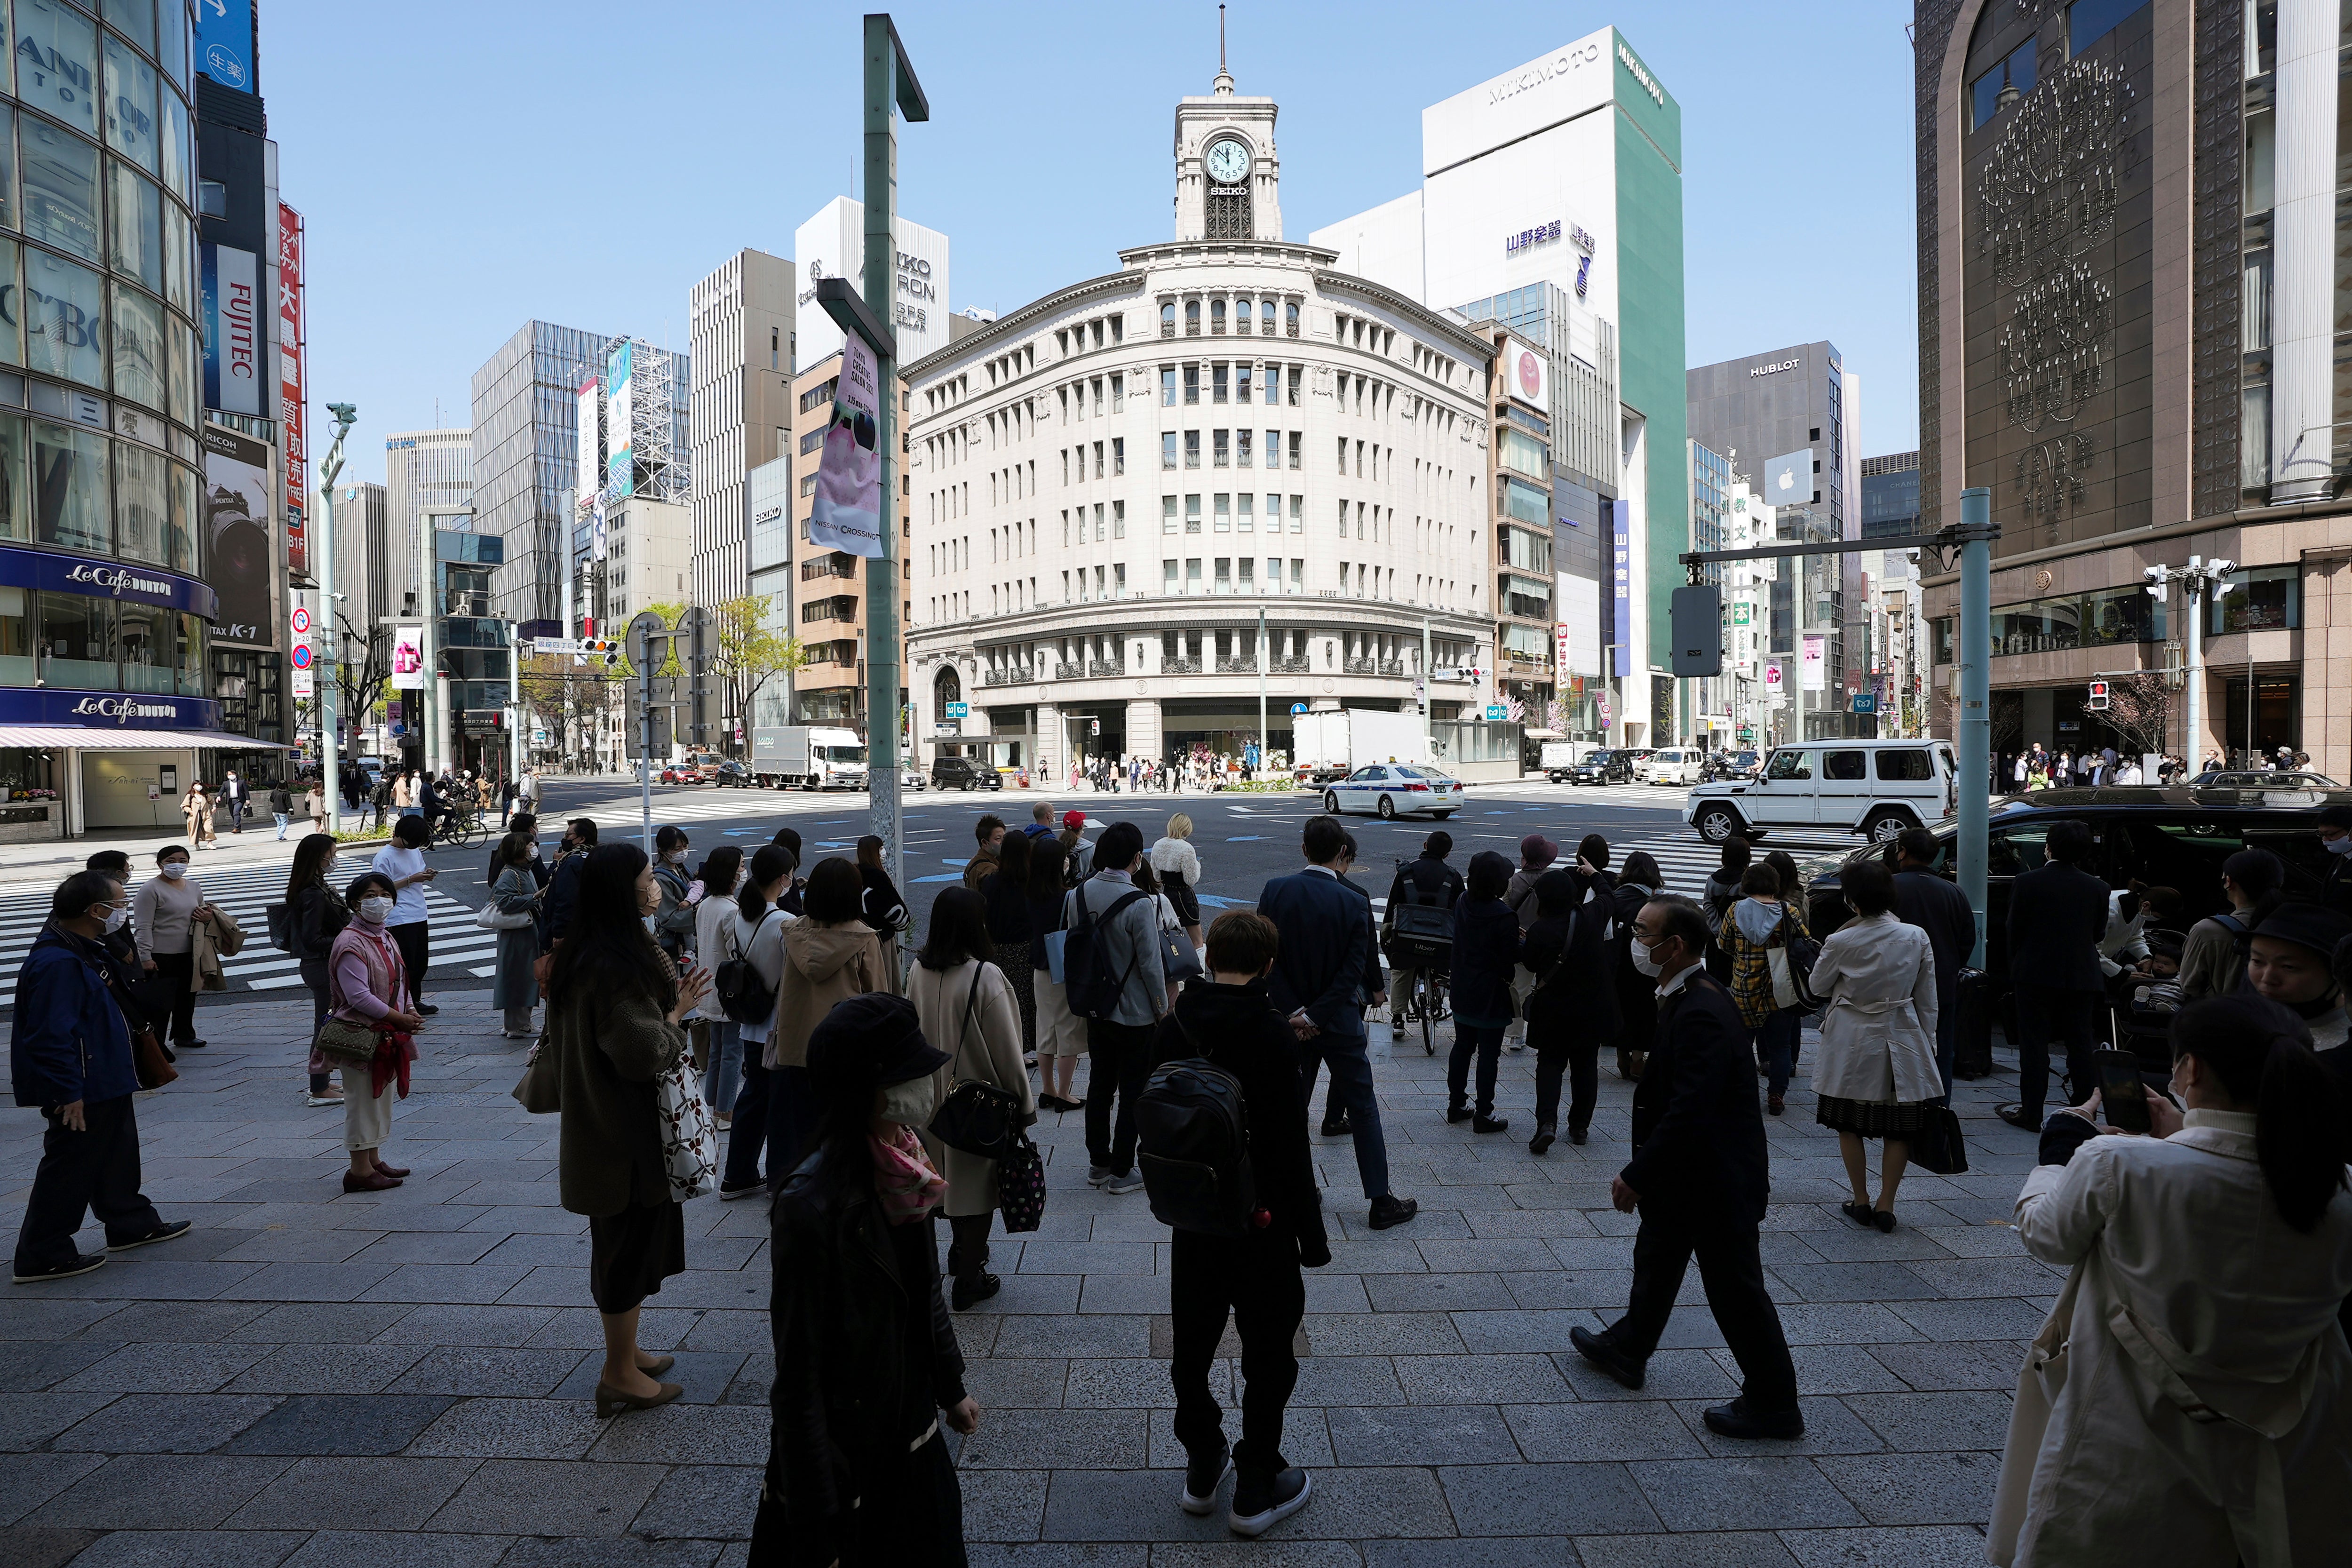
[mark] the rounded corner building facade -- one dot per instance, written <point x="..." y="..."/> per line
<point x="1224" y="469"/>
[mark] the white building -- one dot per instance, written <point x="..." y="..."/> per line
<point x="1116" y="485"/>
<point x="738" y="415"/>
<point x="423" y="470"/>
<point x="832" y="244"/>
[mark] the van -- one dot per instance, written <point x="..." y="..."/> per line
<point x="1674" y="766"/>
<point x="1875" y="788"/>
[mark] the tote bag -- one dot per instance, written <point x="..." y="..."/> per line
<point x="2040" y="1382"/>
<point x="690" y="1138"/>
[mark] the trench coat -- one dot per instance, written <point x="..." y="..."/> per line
<point x="981" y="1030"/>
<point x="1878" y="1032"/>
<point x="2207" y="1411"/>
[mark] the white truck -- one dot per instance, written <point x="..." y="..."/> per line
<point x="1559" y="756"/>
<point x="1327" y="746"/>
<point x="808" y="756"/>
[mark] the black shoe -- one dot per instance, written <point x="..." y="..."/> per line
<point x="190" y="1045"/>
<point x="1338" y="1127"/>
<point x="728" y="1194"/>
<point x="1200" y="1479"/>
<point x="2019" y="1117"/>
<point x="427" y="1009"/>
<point x="1738" y="1419"/>
<point x="968" y="1293"/>
<point x="1543" y="1140"/>
<point x="1602" y="1351"/>
<point x="1457" y="1113"/>
<point x="1390" y="1210"/>
<point x="1489" y="1124"/>
<point x="170" y="1231"/>
<point x="83" y="1262"/>
<point x="1259" y="1506"/>
<point x="1576" y="1135"/>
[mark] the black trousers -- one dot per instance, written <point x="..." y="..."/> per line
<point x="1732" y="1270"/>
<point x="1256" y="1279"/>
<point x="1582" y="1065"/>
<point x="94" y="1171"/>
<point x="414" y="941"/>
<point x="1119" y="1056"/>
<point x="1482" y="1042"/>
<point x="747" y="1136"/>
<point x="180" y="969"/>
<point x="968" y="1245"/>
<point x="911" y="1515"/>
<point x="2071" y="1015"/>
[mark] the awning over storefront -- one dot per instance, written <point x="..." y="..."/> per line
<point x="61" y="738"/>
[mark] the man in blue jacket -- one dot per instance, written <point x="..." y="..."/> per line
<point x="1318" y="984"/>
<point x="69" y="1056"/>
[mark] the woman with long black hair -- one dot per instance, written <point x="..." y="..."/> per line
<point x="315" y="916"/>
<point x="1004" y="893"/>
<point x="2206" y="1415"/>
<point x="867" y="1362"/>
<point x="616" y="1011"/>
<point x="1638" y="882"/>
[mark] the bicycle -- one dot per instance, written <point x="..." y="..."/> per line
<point x="1428" y="1003"/>
<point x="464" y="827"/>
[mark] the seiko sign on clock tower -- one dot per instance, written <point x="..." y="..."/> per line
<point x="1228" y="180"/>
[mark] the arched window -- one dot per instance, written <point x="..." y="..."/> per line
<point x="946" y="686"/>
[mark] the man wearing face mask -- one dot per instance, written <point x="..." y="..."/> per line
<point x="69" y="1054"/>
<point x="2336" y="837"/>
<point x="563" y="882"/>
<point x="2287" y="961"/>
<point x="1699" y="1177"/>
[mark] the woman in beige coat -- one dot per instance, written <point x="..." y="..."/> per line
<point x="830" y="955"/>
<point x="196" y="811"/>
<point x="2205" y="1407"/>
<point x="1876" y="1069"/>
<point x="968" y="1009"/>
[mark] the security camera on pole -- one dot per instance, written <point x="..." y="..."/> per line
<point x="330" y="750"/>
<point x="2197" y="580"/>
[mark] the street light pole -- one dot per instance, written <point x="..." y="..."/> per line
<point x="1976" y="531"/>
<point x="330" y="749"/>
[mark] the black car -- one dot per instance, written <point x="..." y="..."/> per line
<point x="963" y="773"/>
<point x="1596" y="768"/>
<point x="730" y="771"/>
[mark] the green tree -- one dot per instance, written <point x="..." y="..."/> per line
<point x="747" y="653"/>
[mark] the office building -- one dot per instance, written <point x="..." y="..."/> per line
<point x="1890" y="495"/>
<point x="423" y="470"/>
<point x="1520" y="478"/>
<point x="1225" y="468"/>
<point x="2140" y="360"/>
<point x="1786" y="421"/>
<point x="769" y="489"/>
<point x="1567" y="172"/>
<point x="362" y="542"/>
<point x="525" y="448"/>
<point x="827" y="607"/>
<point x="832" y="244"/>
<point x="631" y="542"/>
<point x="738" y="415"/>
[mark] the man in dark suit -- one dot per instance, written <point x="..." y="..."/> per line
<point x="2336" y="837"/>
<point x="1373" y="987"/>
<point x="2057" y="913"/>
<point x="1935" y="905"/>
<point x="1317" y="980"/>
<point x="1699" y="1177"/>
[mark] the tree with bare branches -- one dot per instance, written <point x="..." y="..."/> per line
<point x="2139" y="708"/>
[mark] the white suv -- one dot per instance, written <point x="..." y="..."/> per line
<point x="1876" y="788"/>
<point x="1672" y="766"/>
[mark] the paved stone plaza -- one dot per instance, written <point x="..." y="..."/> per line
<point x="313" y="1379"/>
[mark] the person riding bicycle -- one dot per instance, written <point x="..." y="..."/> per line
<point x="1428" y="881"/>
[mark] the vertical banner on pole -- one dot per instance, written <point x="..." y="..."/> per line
<point x="847" y="511"/>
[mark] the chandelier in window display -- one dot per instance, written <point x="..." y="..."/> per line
<point x="2053" y="347"/>
<point x="2049" y="187"/>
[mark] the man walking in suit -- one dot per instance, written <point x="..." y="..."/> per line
<point x="1373" y="987"/>
<point x="1699" y="1178"/>
<point x="1936" y="906"/>
<point x="2057" y="913"/>
<point x="1317" y="983"/>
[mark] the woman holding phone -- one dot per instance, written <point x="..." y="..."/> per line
<point x="402" y="862"/>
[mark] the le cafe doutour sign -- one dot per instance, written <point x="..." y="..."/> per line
<point x="46" y="571"/>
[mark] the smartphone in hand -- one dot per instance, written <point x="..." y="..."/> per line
<point x="2123" y="1093"/>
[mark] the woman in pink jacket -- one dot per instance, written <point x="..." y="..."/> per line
<point x="367" y="983"/>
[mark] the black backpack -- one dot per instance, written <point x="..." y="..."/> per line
<point x="1093" y="991"/>
<point x="1191" y="1127"/>
<point x="742" y="994"/>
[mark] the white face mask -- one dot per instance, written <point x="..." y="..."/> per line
<point x="911" y="1103"/>
<point x="116" y="919"/>
<point x="1641" y="959"/>
<point x="2338" y="846"/>
<point x="175" y="869"/>
<point x="674" y="857"/>
<point x="375" y="910"/>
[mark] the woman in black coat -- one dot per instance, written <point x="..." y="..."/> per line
<point x="1573" y="1006"/>
<point x="1485" y="948"/>
<point x="1638" y="882"/>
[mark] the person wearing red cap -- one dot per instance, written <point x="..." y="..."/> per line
<point x="1074" y="847"/>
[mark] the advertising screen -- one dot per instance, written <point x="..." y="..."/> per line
<point x="1527" y="373"/>
<point x="620" y="478"/>
<point x="588" y="477"/>
<point x="290" y="383"/>
<point x="408" y="657"/>
<point x="1789" y="480"/>
<point x="225" y="43"/>
<point x="237" y="512"/>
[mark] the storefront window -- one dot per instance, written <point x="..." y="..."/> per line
<point x="56" y="62"/>
<point x="63" y="317"/>
<point x="190" y="655"/>
<point x="26" y="767"/>
<point x="16" y="496"/>
<point x="138" y="353"/>
<point x="71" y="506"/>
<point x="60" y="172"/>
<point x="136" y="208"/>
<point x="129" y="105"/>
<point x="140" y="506"/>
<point x="16" y="638"/>
<point x="180" y="529"/>
<point x="149" y="654"/>
<point x="135" y="19"/>
<point x="78" y="642"/>
<point x="2261" y="599"/>
<point x="2120" y="615"/>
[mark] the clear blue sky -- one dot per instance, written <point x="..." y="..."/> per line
<point x="464" y="167"/>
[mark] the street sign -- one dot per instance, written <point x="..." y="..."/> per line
<point x="1298" y="708"/>
<point x="1740" y="611"/>
<point x="301" y="655"/>
<point x="306" y="679"/>
<point x="1497" y="712"/>
<point x="485" y="721"/>
<point x="301" y="621"/>
<point x="1608" y="709"/>
<point x="959" y="710"/>
<point x="558" y="644"/>
<point x="1772" y="679"/>
<point x="1865" y="702"/>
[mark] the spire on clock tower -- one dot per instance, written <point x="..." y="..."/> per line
<point x="1228" y="177"/>
<point x="1224" y="83"/>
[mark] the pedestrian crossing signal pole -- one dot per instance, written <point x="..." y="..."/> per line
<point x="649" y="637"/>
<point x="1975" y="536"/>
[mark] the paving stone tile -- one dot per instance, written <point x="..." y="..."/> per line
<point x="378" y="1548"/>
<point x="475" y="1369"/>
<point x="1546" y="1499"/>
<point x="330" y="1368"/>
<point x="1507" y="1256"/>
<point x="23" y="1318"/>
<point x="748" y="1331"/>
<point x="1480" y="1379"/>
<point x="29" y="1480"/>
<point x="1920" y="1489"/>
<point x="2005" y="1318"/>
<point x="1832" y="1369"/>
<point x="164" y="1423"/>
<point x="1382" y="1333"/>
<point x="536" y="1497"/>
<point x="1346" y="1380"/>
<point x="1888" y="1281"/>
<point x="1670" y="1374"/>
<point x="1046" y="1295"/>
<point x="1925" y="1546"/>
<point x="161" y="1492"/>
<point x="316" y="1323"/>
<point x="1830" y="1428"/>
<point x="30" y="1420"/>
<point x="426" y="1247"/>
<point x="303" y="1283"/>
<point x="1523" y="1552"/>
<point x="449" y="1282"/>
<point x="319" y="1493"/>
<point x="1305" y="1439"/>
<point x="1129" y="1294"/>
<point x="1091" y="1257"/>
<point x="1925" y="1423"/>
<point x="1845" y="1323"/>
<point x="999" y="1384"/>
<point x="1060" y="1440"/>
<point x="29" y="1365"/>
<point x="1769" y="1493"/>
<point x="1136" y="1383"/>
<point x="196" y="1321"/>
<point x="191" y="1549"/>
<point x="704" y="1375"/>
<point x="1419" y="1434"/>
<point x="341" y="1423"/>
<point x="681" y="1433"/>
<point x="1006" y="1505"/>
<point x="710" y="1502"/>
<point x="1969" y="1365"/>
<point x="1497" y="1333"/>
<point x="164" y="1369"/>
<point x="512" y="1429"/>
<point x="40" y="1546"/>
<point x="298" y="1247"/>
<point x="1588" y="1289"/>
<point x="580" y="1329"/>
<point x="1059" y="1553"/>
<point x="1963" y="1278"/>
<point x="1975" y="1240"/>
<point x="1627" y="1430"/>
<point x="1329" y="1293"/>
<point x="1089" y="1335"/>
<point x="1436" y="1292"/>
<point x="1739" y="1549"/>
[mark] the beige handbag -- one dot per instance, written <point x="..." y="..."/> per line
<point x="2040" y="1382"/>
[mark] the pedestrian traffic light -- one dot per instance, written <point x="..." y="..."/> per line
<point x="2097" y="699"/>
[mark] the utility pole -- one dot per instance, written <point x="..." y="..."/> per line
<point x="1261" y="686"/>
<point x="649" y="640"/>
<point x="330" y="774"/>
<point x="1976" y="531"/>
<point x="2200" y="580"/>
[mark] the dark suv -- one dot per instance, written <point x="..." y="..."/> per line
<point x="963" y="773"/>
<point x="2164" y="837"/>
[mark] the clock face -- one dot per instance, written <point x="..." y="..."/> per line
<point x="1228" y="162"/>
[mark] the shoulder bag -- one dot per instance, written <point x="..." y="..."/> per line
<point x="976" y="1117"/>
<point x="347" y="1043"/>
<point x="1179" y="959"/>
<point x="1938" y="1146"/>
<point x="490" y="918"/>
<point x="742" y="994"/>
<point x="690" y="1138"/>
<point x="537" y="1090"/>
<point x="1021" y="1187"/>
<point x="1792" y="967"/>
<point x="2040" y="1382"/>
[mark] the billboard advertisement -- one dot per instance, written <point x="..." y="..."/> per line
<point x="588" y="471"/>
<point x="290" y="373"/>
<point x="224" y="42"/>
<point x="408" y="657"/>
<point x="1816" y="659"/>
<point x="242" y="567"/>
<point x="1621" y="641"/>
<point x="1789" y="480"/>
<point x="232" y="300"/>
<point x="620" y="478"/>
<point x="1527" y="374"/>
<point x="847" y="511"/>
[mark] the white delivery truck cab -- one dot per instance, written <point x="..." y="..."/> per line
<point x="808" y="756"/>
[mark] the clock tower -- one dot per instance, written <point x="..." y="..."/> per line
<point x="1228" y="180"/>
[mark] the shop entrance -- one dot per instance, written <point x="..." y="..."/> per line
<point x="134" y="789"/>
<point x="2277" y="716"/>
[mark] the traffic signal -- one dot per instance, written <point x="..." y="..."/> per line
<point x="2097" y="699"/>
<point x="1696" y="614"/>
<point x="604" y="647"/>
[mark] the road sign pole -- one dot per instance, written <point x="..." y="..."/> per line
<point x="1977" y="534"/>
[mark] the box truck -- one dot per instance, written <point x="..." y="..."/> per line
<point x="808" y="756"/>
<point x="1327" y="746"/>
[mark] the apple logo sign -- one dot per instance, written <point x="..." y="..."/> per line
<point x="1788" y="478"/>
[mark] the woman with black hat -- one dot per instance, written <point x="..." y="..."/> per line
<point x="866" y="1360"/>
<point x="2287" y="960"/>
